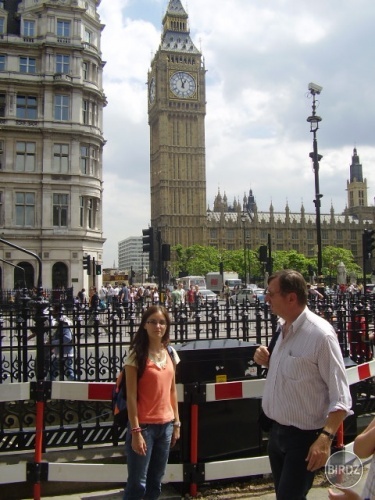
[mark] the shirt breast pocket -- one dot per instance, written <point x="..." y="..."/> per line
<point x="296" y="368"/>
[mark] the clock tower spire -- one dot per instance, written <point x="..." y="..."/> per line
<point x="176" y="115"/>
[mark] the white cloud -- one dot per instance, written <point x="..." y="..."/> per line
<point x="260" y="57"/>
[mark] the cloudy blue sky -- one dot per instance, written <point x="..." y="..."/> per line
<point x="260" y="56"/>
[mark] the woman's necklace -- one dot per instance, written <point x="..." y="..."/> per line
<point x="156" y="355"/>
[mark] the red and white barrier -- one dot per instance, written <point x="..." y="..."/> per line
<point x="102" y="391"/>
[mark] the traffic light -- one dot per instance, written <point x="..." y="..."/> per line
<point x="148" y="241"/>
<point x="87" y="263"/>
<point x="368" y="243"/>
<point x="98" y="269"/>
<point x="263" y="254"/>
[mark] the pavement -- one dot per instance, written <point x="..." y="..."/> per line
<point x="170" y="493"/>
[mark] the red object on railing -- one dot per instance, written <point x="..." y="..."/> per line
<point x="340" y="436"/>
<point x="38" y="443"/>
<point x="194" y="444"/>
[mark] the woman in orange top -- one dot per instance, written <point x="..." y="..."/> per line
<point x="154" y="424"/>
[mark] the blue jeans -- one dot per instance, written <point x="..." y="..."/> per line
<point x="145" y="472"/>
<point x="287" y="449"/>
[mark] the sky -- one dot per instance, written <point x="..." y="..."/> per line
<point x="260" y="56"/>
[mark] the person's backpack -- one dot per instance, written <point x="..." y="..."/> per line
<point x="119" y="406"/>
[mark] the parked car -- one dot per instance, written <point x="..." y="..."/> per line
<point x="208" y="296"/>
<point x="248" y="294"/>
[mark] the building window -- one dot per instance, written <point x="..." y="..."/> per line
<point x="62" y="107"/>
<point x="1" y="210"/>
<point x="27" y="64"/>
<point x="63" y="28"/>
<point x="294" y="235"/>
<point x="62" y="64"/>
<point x="85" y="112"/>
<point x="353" y="234"/>
<point x="85" y="160"/>
<point x="26" y="107"/>
<point x="1" y="155"/>
<point x="28" y="28"/>
<point x="324" y="234"/>
<point x="361" y="198"/>
<point x="2" y="62"/>
<point x="60" y="210"/>
<point x="310" y="234"/>
<point x="2" y="105"/>
<point x="61" y="158"/>
<point x="85" y="70"/>
<point x="25" y="156"/>
<point x="81" y="210"/>
<point x="88" y="36"/>
<point x="90" y="213"/>
<point x="25" y="209"/>
<point x="94" y="161"/>
<point x="339" y="235"/>
<point x="2" y="24"/>
<point x="279" y="235"/>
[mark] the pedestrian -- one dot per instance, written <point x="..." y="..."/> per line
<point x="62" y="359"/>
<point x="176" y="298"/>
<point x="154" y="424"/>
<point x="364" y="446"/>
<point x="306" y="394"/>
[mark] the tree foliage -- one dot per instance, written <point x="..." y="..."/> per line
<point x="200" y="260"/>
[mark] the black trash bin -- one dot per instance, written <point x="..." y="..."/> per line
<point x="226" y="429"/>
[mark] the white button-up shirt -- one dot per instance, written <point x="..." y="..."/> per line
<point x="306" y="379"/>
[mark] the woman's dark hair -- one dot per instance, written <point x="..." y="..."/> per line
<point x="139" y="344"/>
<point x="291" y="281"/>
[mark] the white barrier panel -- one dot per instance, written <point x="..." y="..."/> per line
<point x="89" y="391"/>
<point x="103" y="473"/>
<point x="16" y="391"/>
<point x="13" y="473"/>
<point x="241" y="467"/>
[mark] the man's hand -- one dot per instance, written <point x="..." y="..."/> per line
<point x="319" y="453"/>
<point x="262" y="356"/>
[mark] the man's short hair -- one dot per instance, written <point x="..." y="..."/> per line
<point x="291" y="281"/>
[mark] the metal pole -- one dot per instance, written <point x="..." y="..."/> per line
<point x="314" y="120"/>
<point x="244" y="250"/>
<point x="318" y="196"/>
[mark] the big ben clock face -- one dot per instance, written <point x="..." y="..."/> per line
<point x="182" y="84"/>
<point x="152" y="90"/>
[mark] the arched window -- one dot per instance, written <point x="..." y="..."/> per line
<point x="24" y="275"/>
<point x="59" y="276"/>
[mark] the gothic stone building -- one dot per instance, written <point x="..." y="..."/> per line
<point x="176" y="110"/>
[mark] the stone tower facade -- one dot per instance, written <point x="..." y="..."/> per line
<point x="176" y="111"/>
<point x="51" y="139"/>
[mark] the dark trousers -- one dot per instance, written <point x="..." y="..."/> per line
<point x="288" y="447"/>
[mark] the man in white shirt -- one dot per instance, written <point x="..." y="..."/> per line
<point x="306" y="394"/>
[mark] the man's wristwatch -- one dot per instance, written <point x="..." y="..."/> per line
<point x="328" y="434"/>
<point x="176" y="424"/>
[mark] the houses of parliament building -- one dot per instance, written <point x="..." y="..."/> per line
<point x="176" y="113"/>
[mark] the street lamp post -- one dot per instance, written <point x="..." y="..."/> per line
<point x="314" y="120"/>
<point x="243" y="219"/>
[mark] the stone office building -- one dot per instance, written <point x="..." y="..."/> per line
<point x="51" y="140"/>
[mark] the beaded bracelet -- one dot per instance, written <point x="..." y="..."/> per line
<point x="136" y="429"/>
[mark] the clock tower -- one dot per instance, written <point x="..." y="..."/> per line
<point x="176" y="114"/>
